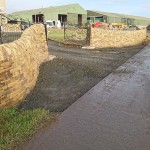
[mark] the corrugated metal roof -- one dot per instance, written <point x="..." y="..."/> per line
<point x="51" y="12"/>
<point x="119" y="15"/>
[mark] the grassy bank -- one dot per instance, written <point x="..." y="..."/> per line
<point x="17" y="126"/>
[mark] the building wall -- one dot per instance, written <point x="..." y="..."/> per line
<point x="113" y="19"/>
<point x="84" y="18"/>
<point x="3" y="5"/>
<point x="137" y="22"/>
<point x="19" y="65"/>
<point x="73" y="18"/>
<point x="141" y="22"/>
<point x="116" y="38"/>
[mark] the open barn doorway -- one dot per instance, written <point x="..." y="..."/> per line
<point x="62" y="18"/>
<point x="38" y="18"/>
<point x="80" y="20"/>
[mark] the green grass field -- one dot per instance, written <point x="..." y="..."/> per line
<point x="56" y="35"/>
<point x="71" y="34"/>
<point x="17" y="126"/>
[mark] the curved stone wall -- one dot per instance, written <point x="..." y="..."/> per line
<point x="19" y="65"/>
<point x="116" y="38"/>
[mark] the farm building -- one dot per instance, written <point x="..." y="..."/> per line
<point x="72" y="13"/>
<point x="117" y="18"/>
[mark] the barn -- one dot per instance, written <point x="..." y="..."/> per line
<point x="117" y="18"/>
<point x="72" y="13"/>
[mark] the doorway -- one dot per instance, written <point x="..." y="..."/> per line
<point x="62" y="18"/>
<point x="80" y="20"/>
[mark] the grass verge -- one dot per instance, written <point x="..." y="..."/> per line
<point x="56" y="35"/>
<point x="17" y="126"/>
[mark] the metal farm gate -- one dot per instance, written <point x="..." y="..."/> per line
<point x="13" y="31"/>
<point x="10" y="33"/>
<point x="76" y="35"/>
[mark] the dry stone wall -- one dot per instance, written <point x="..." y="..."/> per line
<point x="116" y="38"/>
<point x="11" y="27"/>
<point x="19" y="65"/>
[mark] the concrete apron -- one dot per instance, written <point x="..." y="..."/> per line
<point x="113" y="115"/>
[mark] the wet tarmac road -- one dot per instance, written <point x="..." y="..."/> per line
<point x="113" y="115"/>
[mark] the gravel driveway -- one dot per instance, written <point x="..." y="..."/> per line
<point x="66" y="78"/>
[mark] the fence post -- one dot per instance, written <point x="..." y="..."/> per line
<point x="46" y="32"/>
<point x="88" y="37"/>
<point x="64" y="31"/>
<point x="21" y="25"/>
<point x="29" y="23"/>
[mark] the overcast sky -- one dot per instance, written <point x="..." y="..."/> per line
<point x="132" y="7"/>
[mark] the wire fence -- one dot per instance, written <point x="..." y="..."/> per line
<point x="10" y="33"/>
<point x="76" y="35"/>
